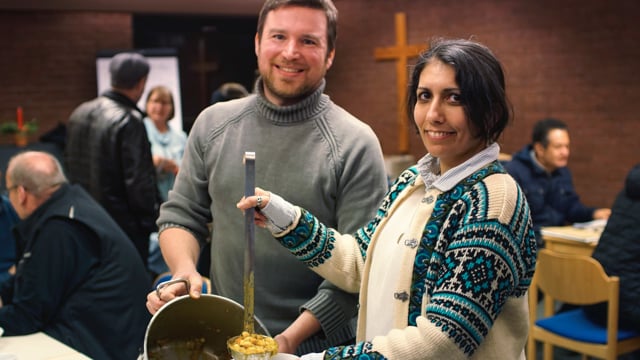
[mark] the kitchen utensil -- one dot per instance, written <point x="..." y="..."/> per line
<point x="249" y="253"/>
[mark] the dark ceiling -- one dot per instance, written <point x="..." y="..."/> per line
<point x="199" y="7"/>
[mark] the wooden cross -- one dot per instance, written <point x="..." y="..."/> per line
<point x="203" y="67"/>
<point x="401" y="52"/>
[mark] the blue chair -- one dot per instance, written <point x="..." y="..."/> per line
<point x="577" y="280"/>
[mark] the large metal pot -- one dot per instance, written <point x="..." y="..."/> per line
<point x="195" y="329"/>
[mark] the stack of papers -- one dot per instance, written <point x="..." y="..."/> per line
<point x="594" y="224"/>
<point x="572" y="233"/>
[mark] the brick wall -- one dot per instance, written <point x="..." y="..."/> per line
<point x="47" y="64"/>
<point x="570" y="59"/>
<point x="574" y="60"/>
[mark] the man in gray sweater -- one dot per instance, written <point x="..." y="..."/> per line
<point x="307" y="149"/>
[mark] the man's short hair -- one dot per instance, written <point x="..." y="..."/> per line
<point x="542" y="129"/>
<point x="327" y="6"/>
<point x="127" y="69"/>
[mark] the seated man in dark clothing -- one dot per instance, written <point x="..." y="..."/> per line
<point x="618" y="251"/>
<point x="79" y="278"/>
<point x="540" y="169"/>
<point x="8" y="218"/>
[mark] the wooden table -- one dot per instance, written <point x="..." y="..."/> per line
<point x="569" y="239"/>
<point x="38" y="346"/>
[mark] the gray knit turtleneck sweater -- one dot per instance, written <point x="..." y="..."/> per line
<point x="315" y="155"/>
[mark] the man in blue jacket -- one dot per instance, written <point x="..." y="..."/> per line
<point x="78" y="279"/>
<point x="540" y="169"/>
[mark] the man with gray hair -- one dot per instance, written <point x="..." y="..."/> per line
<point x="78" y="277"/>
<point x="108" y="151"/>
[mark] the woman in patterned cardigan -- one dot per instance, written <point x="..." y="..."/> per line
<point x="444" y="267"/>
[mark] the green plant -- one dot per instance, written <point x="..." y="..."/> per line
<point x="29" y="127"/>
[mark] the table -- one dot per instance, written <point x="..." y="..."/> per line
<point x="38" y="346"/>
<point x="569" y="239"/>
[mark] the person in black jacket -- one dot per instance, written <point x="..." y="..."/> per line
<point x="78" y="278"/>
<point x="618" y="251"/>
<point x="108" y="152"/>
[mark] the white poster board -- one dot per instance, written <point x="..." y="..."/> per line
<point x="164" y="71"/>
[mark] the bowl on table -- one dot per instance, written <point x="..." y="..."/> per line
<point x="248" y="346"/>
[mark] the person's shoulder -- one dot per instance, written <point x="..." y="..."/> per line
<point x="522" y="156"/>
<point x="224" y="112"/>
<point x="338" y="113"/>
<point x="502" y="194"/>
<point x="84" y="206"/>
<point x="149" y="125"/>
<point x="520" y="163"/>
<point x="96" y="100"/>
<point x="492" y="176"/>
<point x="216" y="119"/>
<point x="85" y="107"/>
<point x="103" y="107"/>
<point x="101" y="101"/>
<point x="501" y="179"/>
<point x="348" y="125"/>
<point x="632" y="183"/>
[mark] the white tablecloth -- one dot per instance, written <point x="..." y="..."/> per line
<point x="38" y="346"/>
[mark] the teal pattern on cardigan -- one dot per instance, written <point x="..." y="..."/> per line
<point x="462" y="305"/>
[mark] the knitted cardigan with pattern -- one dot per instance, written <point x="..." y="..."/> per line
<point x="466" y="288"/>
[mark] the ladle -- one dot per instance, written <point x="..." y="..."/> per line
<point x="249" y="252"/>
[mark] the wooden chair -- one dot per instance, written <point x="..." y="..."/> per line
<point x="504" y="157"/>
<point x="166" y="276"/>
<point x="579" y="280"/>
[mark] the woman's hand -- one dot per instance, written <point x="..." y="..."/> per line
<point x="258" y="201"/>
<point x="165" y="165"/>
<point x="170" y="167"/>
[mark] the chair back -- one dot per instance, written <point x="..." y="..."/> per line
<point x="578" y="280"/>
<point x="574" y="279"/>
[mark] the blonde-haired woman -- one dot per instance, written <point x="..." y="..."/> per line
<point x="167" y="144"/>
<point x="167" y="148"/>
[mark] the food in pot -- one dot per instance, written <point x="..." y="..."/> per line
<point x="191" y="349"/>
<point x="252" y="344"/>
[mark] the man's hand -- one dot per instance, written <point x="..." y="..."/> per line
<point x="601" y="214"/>
<point x="157" y="299"/>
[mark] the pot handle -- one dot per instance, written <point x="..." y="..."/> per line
<point x="164" y="284"/>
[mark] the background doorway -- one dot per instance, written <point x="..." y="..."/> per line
<point x="211" y="51"/>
